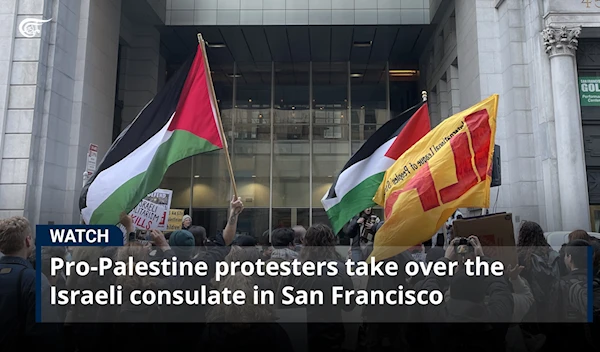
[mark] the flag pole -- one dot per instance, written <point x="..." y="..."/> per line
<point x="214" y="103"/>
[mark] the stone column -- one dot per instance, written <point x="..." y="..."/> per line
<point x="561" y="44"/>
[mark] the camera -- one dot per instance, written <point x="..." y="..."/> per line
<point x="463" y="246"/>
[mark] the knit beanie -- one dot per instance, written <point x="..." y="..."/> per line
<point x="183" y="243"/>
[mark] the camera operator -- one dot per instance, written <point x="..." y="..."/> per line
<point x="361" y="230"/>
<point x="474" y="299"/>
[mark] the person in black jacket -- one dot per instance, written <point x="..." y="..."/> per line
<point x="485" y="301"/>
<point x="573" y="304"/>
<point x="18" y="327"/>
<point x="361" y="231"/>
<point x="326" y="330"/>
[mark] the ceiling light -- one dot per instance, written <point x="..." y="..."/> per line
<point x="293" y="108"/>
<point x="249" y="100"/>
<point x="330" y="176"/>
<point x="196" y="176"/>
<point x="403" y="71"/>
<point x="232" y="75"/>
<point x="356" y="75"/>
<point x="363" y="44"/>
<point x="216" y="45"/>
<point x="253" y="176"/>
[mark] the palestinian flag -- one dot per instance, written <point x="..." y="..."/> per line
<point x="181" y="121"/>
<point x="355" y="187"/>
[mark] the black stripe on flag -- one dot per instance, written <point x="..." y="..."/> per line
<point x="389" y="130"/>
<point x="147" y="124"/>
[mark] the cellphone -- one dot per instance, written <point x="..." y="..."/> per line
<point x="144" y="243"/>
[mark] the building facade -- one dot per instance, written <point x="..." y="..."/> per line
<point x="300" y="85"/>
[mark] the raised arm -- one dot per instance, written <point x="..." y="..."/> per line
<point x="235" y="208"/>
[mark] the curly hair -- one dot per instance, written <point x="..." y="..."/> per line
<point x="319" y="244"/>
<point x="532" y="240"/>
<point x="13" y="232"/>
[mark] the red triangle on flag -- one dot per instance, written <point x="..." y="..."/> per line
<point x="416" y="128"/>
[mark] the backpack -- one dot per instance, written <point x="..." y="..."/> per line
<point x="545" y="283"/>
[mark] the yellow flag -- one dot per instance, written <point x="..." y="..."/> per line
<point x="447" y="169"/>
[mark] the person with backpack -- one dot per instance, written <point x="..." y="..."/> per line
<point x="542" y="272"/>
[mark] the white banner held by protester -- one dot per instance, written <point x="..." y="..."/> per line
<point x="152" y="213"/>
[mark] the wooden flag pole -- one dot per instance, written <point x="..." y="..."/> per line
<point x="214" y="103"/>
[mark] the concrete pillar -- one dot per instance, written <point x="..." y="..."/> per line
<point x="561" y="44"/>
<point x="142" y="71"/>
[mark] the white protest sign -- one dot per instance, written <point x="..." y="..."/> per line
<point x="152" y="213"/>
<point x="92" y="157"/>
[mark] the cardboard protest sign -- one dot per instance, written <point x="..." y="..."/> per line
<point x="175" y="219"/>
<point x="153" y="211"/>
<point x="495" y="233"/>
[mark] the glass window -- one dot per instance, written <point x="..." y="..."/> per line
<point x="369" y="99"/>
<point x="291" y="147"/>
<point x="251" y="145"/>
<point x="330" y="148"/>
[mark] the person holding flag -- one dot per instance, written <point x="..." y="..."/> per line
<point x="448" y="168"/>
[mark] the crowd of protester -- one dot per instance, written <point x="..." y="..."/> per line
<point x="544" y="286"/>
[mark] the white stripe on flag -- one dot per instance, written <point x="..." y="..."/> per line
<point x="355" y="174"/>
<point x="137" y="162"/>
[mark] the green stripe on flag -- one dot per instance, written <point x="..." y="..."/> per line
<point x="181" y="145"/>
<point x="356" y="200"/>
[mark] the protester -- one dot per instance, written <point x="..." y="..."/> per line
<point x="541" y="269"/>
<point x="474" y="299"/>
<point x="265" y="242"/>
<point x="282" y="240"/>
<point x="573" y="293"/>
<point x="361" y="230"/>
<point x="542" y="272"/>
<point x="186" y="222"/>
<point x="327" y="333"/>
<point x="246" y="327"/>
<point x="579" y="235"/>
<point x="199" y="234"/>
<point x="183" y="244"/>
<point x="299" y="233"/>
<point x="18" y="328"/>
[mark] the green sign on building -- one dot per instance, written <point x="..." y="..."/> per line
<point x="589" y="91"/>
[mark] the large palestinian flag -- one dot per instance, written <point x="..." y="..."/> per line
<point x="181" y="121"/>
<point x="354" y="188"/>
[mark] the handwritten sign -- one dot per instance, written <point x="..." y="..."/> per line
<point x="175" y="219"/>
<point x="153" y="211"/>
